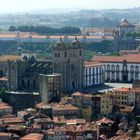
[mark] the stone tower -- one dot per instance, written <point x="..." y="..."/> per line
<point x="68" y="61"/>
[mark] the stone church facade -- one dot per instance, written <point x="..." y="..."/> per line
<point x="69" y="62"/>
<point x="23" y="74"/>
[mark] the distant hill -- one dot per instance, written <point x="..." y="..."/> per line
<point x="71" y="17"/>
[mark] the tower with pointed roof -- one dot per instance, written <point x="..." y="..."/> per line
<point x="68" y="61"/>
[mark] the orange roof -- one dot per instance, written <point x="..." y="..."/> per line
<point x="77" y="94"/>
<point x="127" y="109"/>
<point x="105" y="121"/>
<point x="137" y="90"/>
<point x="91" y="63"/>
<point x="32" y="136"/>
<point x="60" y="107"/>
<point x="5" y="58"/>
<point x="11" y="120"/>
<point x="3" y="79"/>
<point x="131" y="58"/>
<point x="122" y="89"/>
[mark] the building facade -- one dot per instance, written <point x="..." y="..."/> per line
<point x="68" y="61"/>
<point x="93" y="73"/>
<point x="23" y="74"/>
<point x="125" y="68"/>
<point x="107" y="102"/>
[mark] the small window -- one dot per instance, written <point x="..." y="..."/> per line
<point x="58" y="54"/>
<point x="13" y="67"/>
<point x="80" y="53"/>
<point x="65" y="54"/>
<point x="55" y="54"/>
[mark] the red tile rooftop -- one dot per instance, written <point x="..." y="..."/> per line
<point x="32" y="136"/>
<point x="5" y="58"/>
<point x="130" y="58"/>
<point x="23" y="112"/>
<point x="66" y="107"/>
<point x="52" y="37"/>
<point x="123" y="89"/>
<point x="136" y="90"/>
<point x="91" y="63"/>
<point x="104" y="121"/>
<point x="2" y="134"/>
<point x="3" y="79"/>
<point x="127" y="109"/>
<point x="77" y="94"/>
<point x="11" y="120"/>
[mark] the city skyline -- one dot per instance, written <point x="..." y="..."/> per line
<point x="31" y="5"/>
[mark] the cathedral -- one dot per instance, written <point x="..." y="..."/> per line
<point x="69" y="62"/>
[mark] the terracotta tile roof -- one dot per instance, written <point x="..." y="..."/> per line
<point x="104" y="121"/>
<point x="127" y="109"/>
<point x="66" y="107"/>
<point x="125" y="136"/>
<point x="4" y="106"/>
<point x="59" y="120"/>
<point x="123" y="89"/>
<point x="75" y="121"/>
<point x="32" y="136"/>
<point x="5" y="58"/>
<point x="77" y="94"/>
<point x="16" y="127"/>
<point x="7" y="116"/>
<point x="11" y="120"/>
<point x="130" y="58"/>
<point x="92" y="63"/>
<point x="23" y="112"/>
<point x="136" y="90"/>
<point x="4" y="134"/>
<point x="3" y="79"/>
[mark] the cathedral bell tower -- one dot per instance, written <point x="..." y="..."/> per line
<point x="69" y="62"/>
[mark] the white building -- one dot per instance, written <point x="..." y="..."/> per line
<point x="125" y="68"/>
<point x="94" y="74"/>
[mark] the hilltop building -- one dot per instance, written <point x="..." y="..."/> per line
<point x="125" y="27"/>
<point x="121" y="40"/>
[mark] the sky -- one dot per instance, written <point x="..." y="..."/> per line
<point x="29" y="5"/>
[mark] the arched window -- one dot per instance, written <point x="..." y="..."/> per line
<point x="108" y="67"/>
<point x="132" y="68"/>
<point x="117" y="68"/>
<point x="137" y="68"/>
<point x="25" y="58"/>
<point x="113" y="68"/>
<point x="32" y="58"/>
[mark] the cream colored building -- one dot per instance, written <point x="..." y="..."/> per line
<point x="107" y="102"/>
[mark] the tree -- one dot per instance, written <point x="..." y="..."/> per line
<point x="12" y="28"/>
